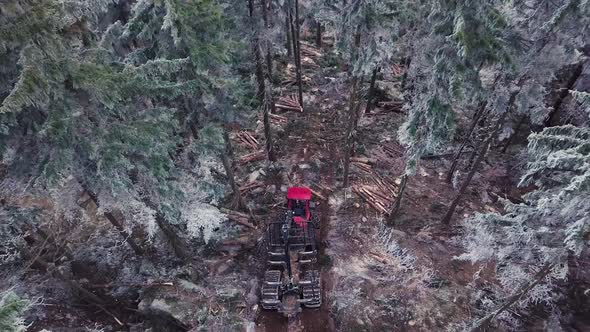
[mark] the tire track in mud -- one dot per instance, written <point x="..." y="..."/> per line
<point x="309" y="148"/>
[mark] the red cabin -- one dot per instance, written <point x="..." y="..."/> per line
<point x="298" y="199"/>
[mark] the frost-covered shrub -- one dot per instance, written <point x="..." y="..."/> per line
<point x="404" y="257"/>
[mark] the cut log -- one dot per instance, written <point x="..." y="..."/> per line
<point x="375" y="205"/>
<point x="240" y="220"/>
<point x="277" y="118"/>
<point x="246" y="138"/>
<point x="309" y="50"/>
<point x="322" y="187"/>
<point x="254" y="156"/>
<point x="363" y="167"/>
<point x="363" y="160"/>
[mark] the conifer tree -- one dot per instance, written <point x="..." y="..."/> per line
<point x="83" y="101"/>
<point x="529" y="72"/>
<point x="368" y="30"/>
<point x="533" y="242"/>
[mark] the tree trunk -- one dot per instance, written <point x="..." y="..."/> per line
<point x="349" y="131"/>
<point x="407" y="63"/>
<point x="178" y="245"/>
<point x="371" y="95"/>
<point x="111" y="218"/>
<point x="55" y="272"/>
<point x="288" y="30"/>
<point x="268" y="107"/>
<point x="398" y="201"/>
<point x="480" y="157"/>
<point x="539" y="277"/>
<point x="318" y="35"/>
<point x="474" y="122"/>
<point x="227" y="160"/>
<point x="516" y="129"/>
<point x="264" y="12"/>
<point x="259" y="67"/>
<point x="268" y="56"/>
<point x="352" y="121"/>
<point x="293" y="39"/>
<point x="299" y="79"/>
<point x="564" y="93"/>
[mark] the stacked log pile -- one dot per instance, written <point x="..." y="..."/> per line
<point x="277" y="119"/>
<point x="291" y="79"/>
<point x="363" y="164"/>
<point x="289" y="103"/>
<point x="378" y="199"/>
<point x="391" y="151"/>
<point x="310" y="50"/>
<point x="245" y="138"/>
<point x="309" y="56"/>
<point x="321" y="191"/>
<point x="378" y="191"/>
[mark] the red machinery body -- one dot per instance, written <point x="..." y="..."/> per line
<point x="298" y="199"/>
<point x="292" y="276"/>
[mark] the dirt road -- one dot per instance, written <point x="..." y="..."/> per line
<point x="310" y="148"/>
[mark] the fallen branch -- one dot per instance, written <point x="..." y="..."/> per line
<point x="444" y="155"/>
<point x="238" y="217"/>
<point x="241" y="221"/>
<point x="390" y="106"/>
<point x="250" y="186"/>
<point x="318" y="195"/>
<point x="323" y="187"/>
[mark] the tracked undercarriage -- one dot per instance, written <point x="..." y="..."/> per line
<point x="292" y="277"/>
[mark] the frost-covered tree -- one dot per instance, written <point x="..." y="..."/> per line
<point x="534" y="243"/>
<point x="111" y="106"/>
<point x="520" y="86"/>
<point x="456" y="39"/>
<point x="367" y="35"/>
<point x="11" y="309"/>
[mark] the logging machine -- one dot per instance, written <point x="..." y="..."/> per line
<point x="292" y="277"/>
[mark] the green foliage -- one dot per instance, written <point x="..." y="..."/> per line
<point x="376" y="24"/>
<point x="11" y="308"/>
<point x="429" y="125"/>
